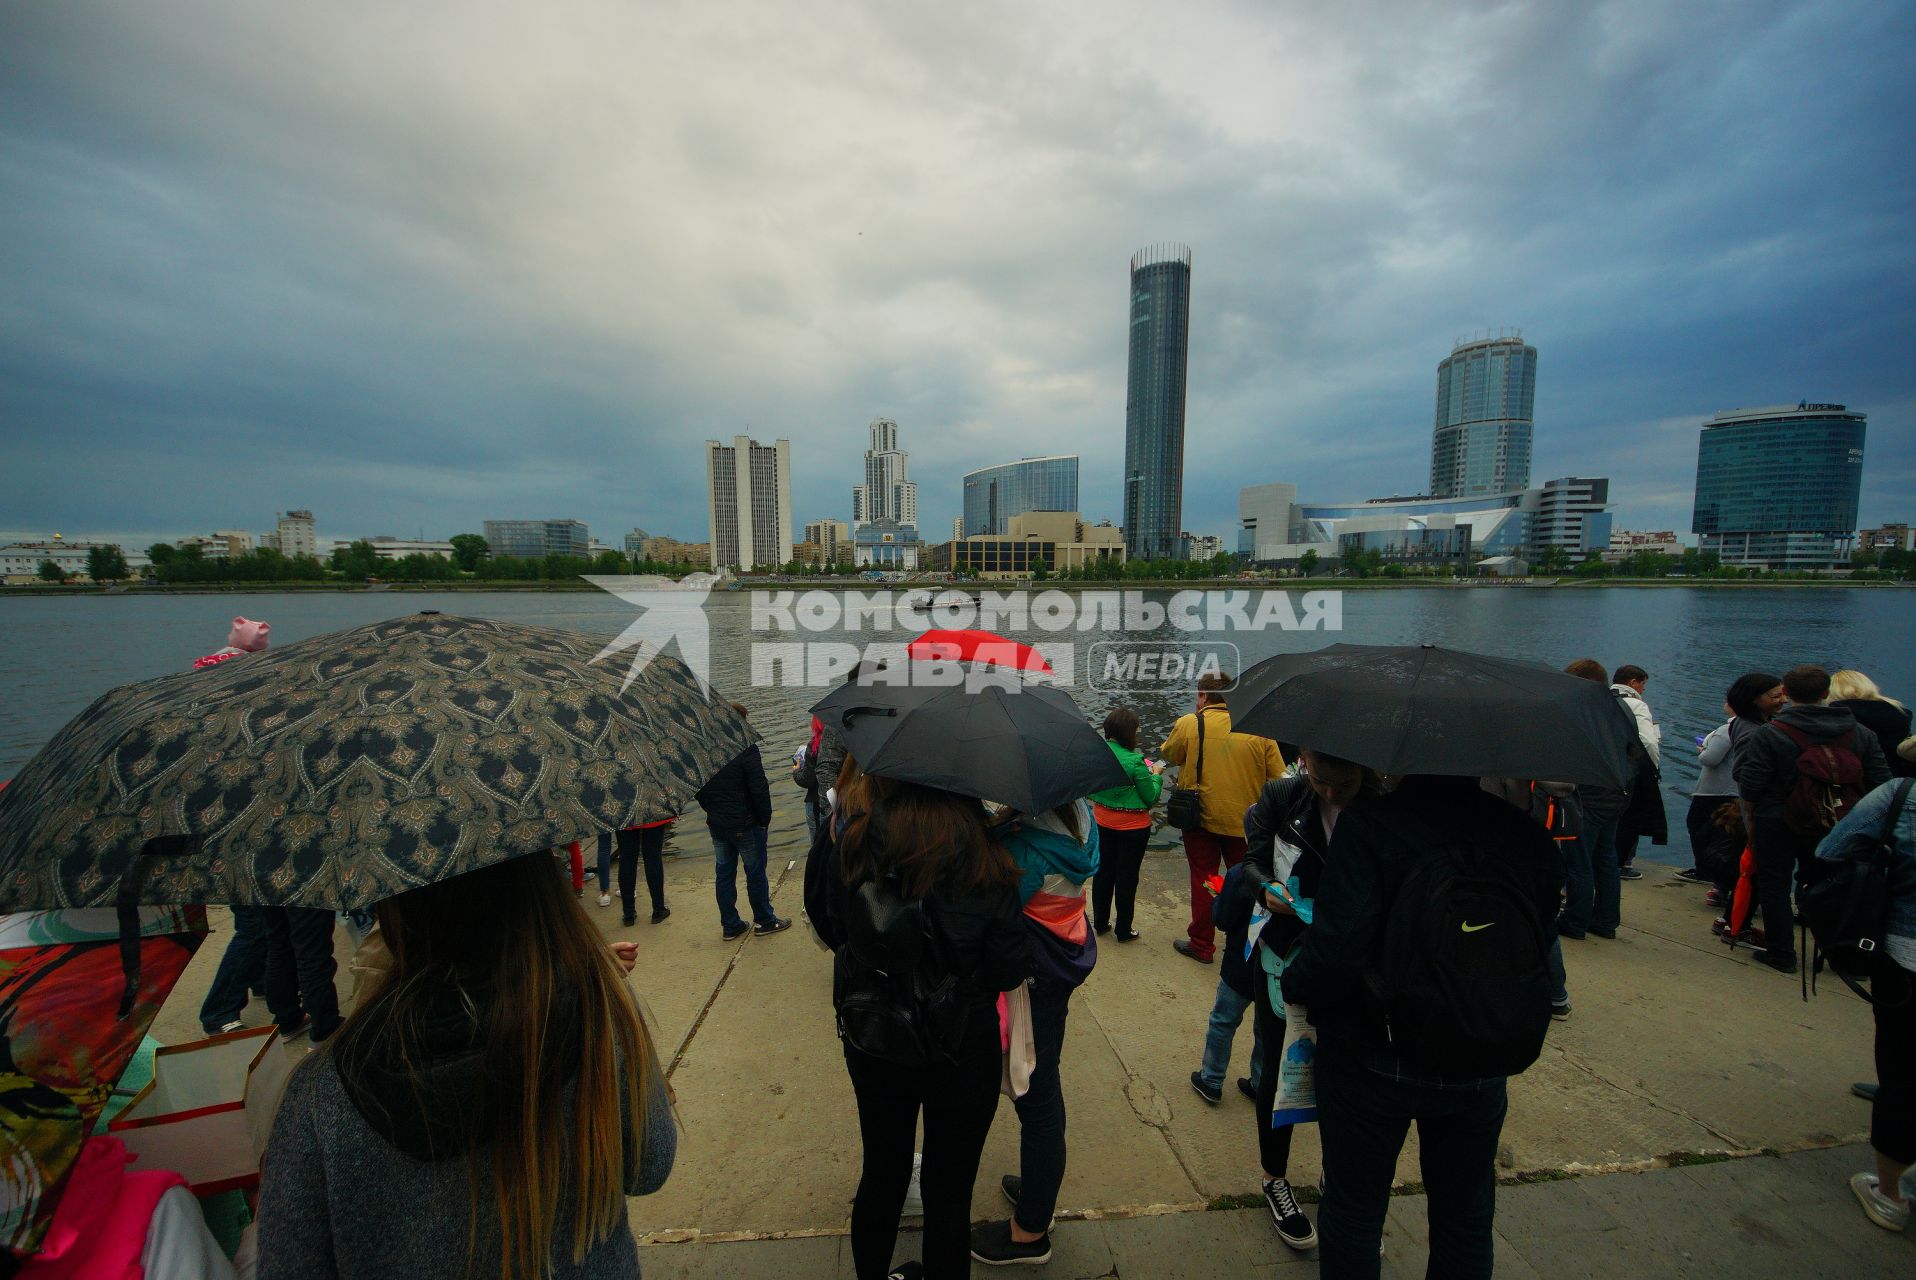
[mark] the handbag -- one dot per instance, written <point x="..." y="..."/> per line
<point x="1184" y="810"/>
<point x="1014" y="1036"/>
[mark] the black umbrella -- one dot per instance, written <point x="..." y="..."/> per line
<point x="1421" y="709"/>
<point x="354" y="766"/>
<point x="1024" y="745"/>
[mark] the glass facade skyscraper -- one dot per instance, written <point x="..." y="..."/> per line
<point x="1776" y="488"/>
<point x="995" y="494"/>
<point x="1154" y="402"/>
<point x="1486" y="391"/>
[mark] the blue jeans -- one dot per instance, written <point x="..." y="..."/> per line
<point x="605" y="862"/>
<point x="1363" y="1118"/>
<point x="727" y="851"/>
<point x="1594" y="891"/>
<point x="288" y="950"/>
<point x="1041" y="1149"/>
<point x="1227" y="1012"/>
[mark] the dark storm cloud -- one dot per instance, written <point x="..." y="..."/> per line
<point x="414" y="269"/>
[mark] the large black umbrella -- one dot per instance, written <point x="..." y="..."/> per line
<point x="353" y="766"/>
<point x="1421" y="709"/>
<point x="1024" y="745"/>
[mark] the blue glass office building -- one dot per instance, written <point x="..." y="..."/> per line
<point x="1776" y="488"/>
<point x="995" y="494"/>
<point x="1486" y="391"/>
<point x="1154" y="403"/>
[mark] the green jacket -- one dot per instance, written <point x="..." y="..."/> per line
<point x="1141" y="792"/>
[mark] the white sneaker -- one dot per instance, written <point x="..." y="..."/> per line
<point x="1882" y="1210"/>
<point x="914" y="1198"/>
<point x="605" y="899"/>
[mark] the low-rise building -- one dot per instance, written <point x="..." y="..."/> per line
<point x="1059" y="540"/>
<point x="1628" y="542"/>
<point x="1571" y="513"/>
<point x="662" y="550"/>
<point x="1886" y="537"/>
<point x="536" y="539"/>
<point x="387" y="547"/>
<point x="885" y="544"/>
<point x="20" y="561"/>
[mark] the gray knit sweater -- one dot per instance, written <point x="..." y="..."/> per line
<point x="338" y="1200"/>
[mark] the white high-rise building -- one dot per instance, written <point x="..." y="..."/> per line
<point x="888" y="492"/>
<point x="748" y="488"/>
<point x="294" y="535"/>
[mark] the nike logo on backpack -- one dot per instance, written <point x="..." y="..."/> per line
<point x="1476" y="928"/>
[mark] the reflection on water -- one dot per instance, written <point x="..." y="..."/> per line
<point x="63" y="653"/>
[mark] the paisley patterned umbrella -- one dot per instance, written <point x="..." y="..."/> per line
<point x="353" y="766"/>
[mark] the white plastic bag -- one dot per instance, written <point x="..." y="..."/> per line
<point x="1296" y="1071"/>
<point x="1014" y="1034"/>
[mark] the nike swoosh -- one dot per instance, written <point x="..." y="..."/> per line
<point x="1474" y="928"/>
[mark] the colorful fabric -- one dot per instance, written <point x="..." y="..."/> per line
<point x="1121" y="819"/>
<point x="351" y="767"/>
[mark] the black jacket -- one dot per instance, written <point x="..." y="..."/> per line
<point x="1374" y="847"/>
<point x="1285" y="810"/>
<point x="737" y="797"/>
<point x="1889" y="723"/>
<point x="1766" y="769"/>
<point x="985" y="928"/>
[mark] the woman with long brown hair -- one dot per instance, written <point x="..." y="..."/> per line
<point x="484" y="1111"/>
<point x="920" y="1029"/>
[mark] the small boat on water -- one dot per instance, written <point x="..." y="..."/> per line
<point x="924" y="604"/>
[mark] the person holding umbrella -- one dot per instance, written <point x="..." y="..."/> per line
<point x="1228" y="771"/>
<point x="1426" y="966"/>
<point x="1056" y="853"/>
<point x="487" y="1108"/>
<point x="500" y="1021"/>
<point x="923" y="854"/>
<point x="904" y="821"/>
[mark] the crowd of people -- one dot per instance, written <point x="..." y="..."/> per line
<point x="496" y="1080"/>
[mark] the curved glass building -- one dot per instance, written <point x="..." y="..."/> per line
<point x="1154" y="402"/>
<point x="995" y="494"/>
<point x="1486" y="391"/>
<point x="1776" y="488"/>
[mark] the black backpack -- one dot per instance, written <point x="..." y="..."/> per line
<point x="1463" y="980"/>
<point x="1845" y="905"/>
<point x="893" y="982"/>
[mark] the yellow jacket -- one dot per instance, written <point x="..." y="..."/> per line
<point x="1236" y="767"/>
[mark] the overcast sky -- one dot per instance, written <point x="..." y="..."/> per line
<point x="414" y="266"/>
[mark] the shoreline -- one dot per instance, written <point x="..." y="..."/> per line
<point x="49" y="591"/>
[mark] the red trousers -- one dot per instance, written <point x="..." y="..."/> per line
<point x="1207" y="852"/>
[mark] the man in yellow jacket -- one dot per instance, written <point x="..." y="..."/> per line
<point x="1232" y="776"/>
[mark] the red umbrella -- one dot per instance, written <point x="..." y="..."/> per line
<point x="1742" y="900"/>
<point x="977" y="646"/>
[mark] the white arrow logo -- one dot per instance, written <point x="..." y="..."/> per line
<point x="670" y="612"/>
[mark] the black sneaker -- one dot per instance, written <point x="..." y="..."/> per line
<point x="735" y="933"/>
<point x="629" y="919"/>
<point x="1101" y="929"/>
<point x="1205" y="1091"/>
<point x="1293" y="1228"/>
<point x="1693" y="875"/>
<point x="660" y="913"/>
<point x="1782" y="964"/>
<point x="776" y="926"/>
<point x="1865" y="1089"/>
<point x="1610" y="934"/>
<point x="913" y="1270"/>
<point x="1128" y="935"/>
<point x="1629" y="873"/>
<point x="1184" y="948"/>
<point x="1247" y="1088"/>
<point x="1560" y="1011"/>
<point x="992" y="1245"/>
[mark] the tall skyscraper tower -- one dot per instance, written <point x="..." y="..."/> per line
<point x="1486" y="389"/>
<point x="749" y="489"/>
<point x="888" y="493"/>
<point x="1154" y="402"/>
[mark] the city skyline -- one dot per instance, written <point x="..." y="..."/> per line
<point x="236" y="269"/>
